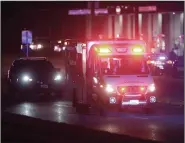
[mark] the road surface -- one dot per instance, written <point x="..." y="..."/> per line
<point x="165" y="124"/>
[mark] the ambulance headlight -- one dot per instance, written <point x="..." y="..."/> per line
<point x="58" y="77"/>
<point x="151" y="88"/>
<point x="26" y="78"/>
<point x="109" y="88"/>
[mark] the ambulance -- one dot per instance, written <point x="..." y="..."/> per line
<point x="113" y="72"/>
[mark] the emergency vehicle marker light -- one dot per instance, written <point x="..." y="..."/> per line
<point x="142" y="88"/>
<point x="122" y="89"/>
<point x="137" y="50"/>
<point x="103" y="50"/>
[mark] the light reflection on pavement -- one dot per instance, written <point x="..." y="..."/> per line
<point x="153" y="126"/>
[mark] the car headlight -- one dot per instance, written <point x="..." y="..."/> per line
<point x="58" y="77"/>
<point x="26" y="78"/>
<point x="151" y="88"/>
<point x="109" y="89"/>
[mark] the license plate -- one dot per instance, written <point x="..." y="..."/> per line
<point x="44" y="86"/>
<point x="134" y="102"/>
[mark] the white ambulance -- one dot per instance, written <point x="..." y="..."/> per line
<point x="114" y="72"/>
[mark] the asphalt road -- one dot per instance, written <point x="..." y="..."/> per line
<point x="166" y="123"/>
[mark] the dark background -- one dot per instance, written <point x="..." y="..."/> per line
<point x="51" y="20"/>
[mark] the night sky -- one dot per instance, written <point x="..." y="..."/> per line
<point x="42" y="17"/>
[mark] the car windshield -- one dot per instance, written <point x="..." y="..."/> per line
<point x="124" y="65"/>
<point x="35" y="65"/>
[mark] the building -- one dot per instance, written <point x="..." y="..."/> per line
<point x="160" y="24"/>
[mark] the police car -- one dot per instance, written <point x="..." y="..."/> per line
<point x="34" y="75"/>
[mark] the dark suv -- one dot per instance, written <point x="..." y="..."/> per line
<point x="34" y="76"/>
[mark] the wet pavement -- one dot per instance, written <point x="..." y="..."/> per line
<point x="166" y="123"/>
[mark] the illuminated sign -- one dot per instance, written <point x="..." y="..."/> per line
<point x="87" y="11"/>
<point x="147" y="8"/>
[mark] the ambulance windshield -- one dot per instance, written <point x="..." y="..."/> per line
<point x="123" y="65"/>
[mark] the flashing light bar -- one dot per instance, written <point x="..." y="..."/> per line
<point x="137" y="50"/>
<point x="103" y="50"/>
